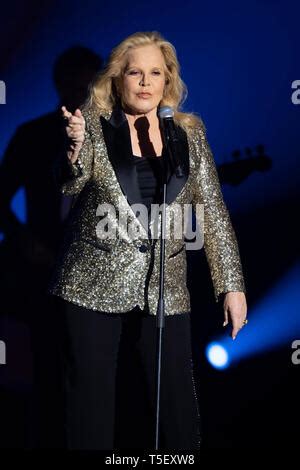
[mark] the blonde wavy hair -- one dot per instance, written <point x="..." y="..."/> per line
<point x="103" y="93"/>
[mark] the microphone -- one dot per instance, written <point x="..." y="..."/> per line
<point x="170" y="136"/>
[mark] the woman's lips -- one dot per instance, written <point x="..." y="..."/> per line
<point x="144" y="95"/>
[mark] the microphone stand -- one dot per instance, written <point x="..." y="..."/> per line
<point x="160" y="316"/>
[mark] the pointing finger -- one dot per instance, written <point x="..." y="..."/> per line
<point x="66" y="113"/>
<point x="235" y="331"/>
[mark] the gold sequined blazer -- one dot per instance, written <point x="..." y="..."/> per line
<point x="117" y="273"/>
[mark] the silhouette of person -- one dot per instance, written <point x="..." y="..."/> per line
<point x="28" y="250"/>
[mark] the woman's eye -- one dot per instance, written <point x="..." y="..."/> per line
<point x="134" y="72"/>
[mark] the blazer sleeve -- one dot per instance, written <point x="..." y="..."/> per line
<point x="72" y="177"/>
<point x="220" y="243"/>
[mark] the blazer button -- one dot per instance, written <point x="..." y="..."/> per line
<point x="143" y="248"/>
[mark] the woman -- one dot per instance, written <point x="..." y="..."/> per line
<point x="108" y="274"/>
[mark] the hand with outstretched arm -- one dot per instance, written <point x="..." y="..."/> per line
<point x="74" y="167"/>
<point x="75" y="128"/>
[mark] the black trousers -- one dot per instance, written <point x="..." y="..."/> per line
<point x="109" y="377"/>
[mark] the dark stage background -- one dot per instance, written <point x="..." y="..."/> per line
<point x="239" y="61"/>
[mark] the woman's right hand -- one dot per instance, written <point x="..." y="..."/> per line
<point x="75" y="128"/>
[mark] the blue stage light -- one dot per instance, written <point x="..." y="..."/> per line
<point x="217" y="355"/>
<point x="274" y="322"/>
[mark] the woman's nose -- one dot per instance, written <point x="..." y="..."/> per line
<point x="144" y="81"/>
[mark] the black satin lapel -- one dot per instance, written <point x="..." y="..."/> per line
<point x="119" y="151"/>
<point x="175" y="185"/>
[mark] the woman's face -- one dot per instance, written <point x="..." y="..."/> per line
<point x="144" y="73"/>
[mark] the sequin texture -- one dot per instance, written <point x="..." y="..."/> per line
<point x="115" y="274"/>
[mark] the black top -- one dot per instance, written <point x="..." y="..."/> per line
<point x="149" y="171"/>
